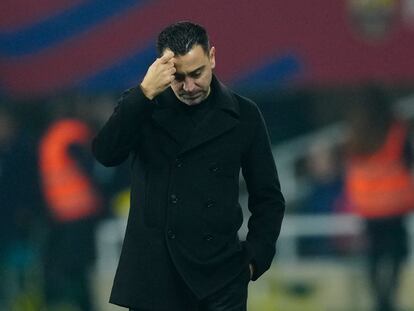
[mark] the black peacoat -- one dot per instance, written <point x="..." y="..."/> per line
<point x="185" y="213"/>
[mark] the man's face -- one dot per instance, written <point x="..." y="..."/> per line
<point x="193" y="75"/>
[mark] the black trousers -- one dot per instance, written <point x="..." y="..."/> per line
<point x="388" y="248"/>
<point x="232" y="297"/>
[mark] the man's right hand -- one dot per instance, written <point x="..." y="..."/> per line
<point x="159" y="75"/>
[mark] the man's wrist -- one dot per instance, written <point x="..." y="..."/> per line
<point x="148" y="94"/>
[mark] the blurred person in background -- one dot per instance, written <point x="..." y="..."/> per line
<point x="188" y="136"/>
<point x="325" y="182"/>
<point x="73" y="203"/>
<point x="380" y="188"/>
<point x="7" y="207"/>
<point x="325" y="176"/>
<point x="20" y="206"/>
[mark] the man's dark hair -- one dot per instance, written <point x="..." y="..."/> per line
<point x="181" y="37"/>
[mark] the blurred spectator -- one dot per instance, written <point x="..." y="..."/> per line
<point x="325" y="194"/>
<point x="325" y="171"/>
<point x="73" y="204"/>
<point x="19" y="207"/>
<point x="380" y="188"/>
<point x="7" y="135"/>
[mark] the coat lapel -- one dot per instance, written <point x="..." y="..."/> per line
<point x="223" y="116"/>
<point x="216" y="123"/>
<point x="167" y="116"/>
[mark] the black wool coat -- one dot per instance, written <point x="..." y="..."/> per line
<point x="185" y="213"/>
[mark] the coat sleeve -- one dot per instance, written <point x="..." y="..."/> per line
<point x="121" y="132"/>
<point x="266" y="202"/>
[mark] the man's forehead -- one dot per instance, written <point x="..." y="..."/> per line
<point x="190" y="63"/>
<point x="196" y="50"/>
<point x="193" y="60"/>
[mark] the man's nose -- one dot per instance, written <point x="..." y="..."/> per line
<point x="189" y="85"/>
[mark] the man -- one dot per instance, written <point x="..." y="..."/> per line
<point x="188" y="136"/>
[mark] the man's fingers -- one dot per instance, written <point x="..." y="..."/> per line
<point x="172" y="70"/>
<point x="167" y="56"/>
<point x="168" y="80"/>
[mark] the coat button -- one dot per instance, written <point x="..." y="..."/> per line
<point x="171" y="234"/>
<point x="214" y="168"/>
<point x="173" y="199"/>
<point x="178" y="162"/>
<point x="208" y="237"/>
<point x="210" y="203"/>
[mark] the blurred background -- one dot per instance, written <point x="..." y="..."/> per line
<point x="335" y="83"/>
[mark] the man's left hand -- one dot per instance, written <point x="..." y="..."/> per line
<point x="251" y="270"/>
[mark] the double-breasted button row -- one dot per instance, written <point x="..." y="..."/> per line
<point x="171" y="235"/>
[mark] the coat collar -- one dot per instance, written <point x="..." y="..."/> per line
<point x="223" y="116"/>
<point x="225" y="98"/>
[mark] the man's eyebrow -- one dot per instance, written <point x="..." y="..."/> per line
<point x="190" y="73"/>
<point x="199" y="68"/>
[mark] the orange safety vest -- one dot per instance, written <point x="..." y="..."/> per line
<point x="68" y="192"/>
<point x="380" y="185"/>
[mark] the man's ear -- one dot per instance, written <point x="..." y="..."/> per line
<point x="212" y="55"/>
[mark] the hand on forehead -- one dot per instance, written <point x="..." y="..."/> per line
<point x="167" y="55"/>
